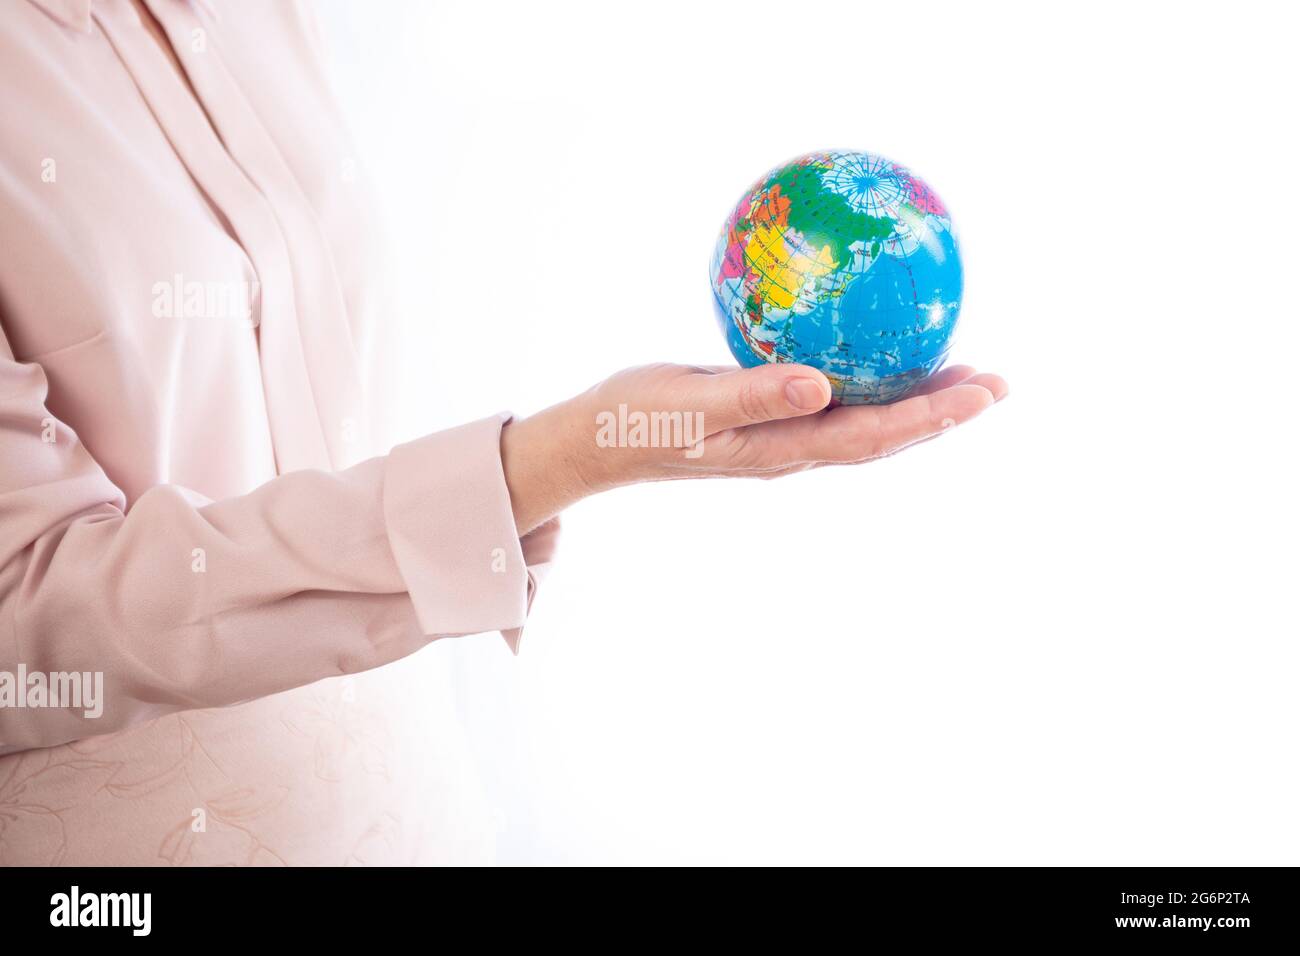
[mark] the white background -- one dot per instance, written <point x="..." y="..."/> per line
<point x="1064" y="633"/>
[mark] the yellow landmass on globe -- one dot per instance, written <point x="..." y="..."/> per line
<point x="783" y="271"/>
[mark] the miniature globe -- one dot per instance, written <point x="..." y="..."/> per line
<point x="844" y="261"/>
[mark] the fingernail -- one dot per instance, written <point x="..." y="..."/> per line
<point x="804" y="393"/>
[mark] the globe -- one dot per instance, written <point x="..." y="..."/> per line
<point x="844" y="261"/>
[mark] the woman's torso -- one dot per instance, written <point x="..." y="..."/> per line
<point x="195" y="280"/>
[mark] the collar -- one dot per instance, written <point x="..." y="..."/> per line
<point x="71" y="13"/>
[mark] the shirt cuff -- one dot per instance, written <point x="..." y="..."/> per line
<point x="452" y="531"/>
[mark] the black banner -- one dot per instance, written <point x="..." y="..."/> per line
<point x="1224" y="908"/>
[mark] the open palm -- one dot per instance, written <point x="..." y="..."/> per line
<point x="773" y="420"/>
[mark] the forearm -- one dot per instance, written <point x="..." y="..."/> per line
<point x="175" y="604"/>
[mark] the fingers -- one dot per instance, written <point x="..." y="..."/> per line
<point x="862" y="432"/>
<point x="994" y="383"/>
<point x="944" y="378"/>
<point x="750" y="396"/>
<point x="956" y="375"/>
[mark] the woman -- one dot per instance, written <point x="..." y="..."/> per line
<point x="190" y="518"/>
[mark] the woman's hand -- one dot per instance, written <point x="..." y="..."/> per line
<point x="658" y="422"/>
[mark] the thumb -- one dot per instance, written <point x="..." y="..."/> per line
<point x="748" y="396"/>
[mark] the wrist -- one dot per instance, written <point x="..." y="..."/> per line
<point x="549" y="464"/>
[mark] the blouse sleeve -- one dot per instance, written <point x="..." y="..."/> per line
<point x="180" y="602"/>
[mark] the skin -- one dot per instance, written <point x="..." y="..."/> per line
<point x="761" y="422"/>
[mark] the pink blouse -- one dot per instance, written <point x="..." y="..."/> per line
<point x="188" y="506"/>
